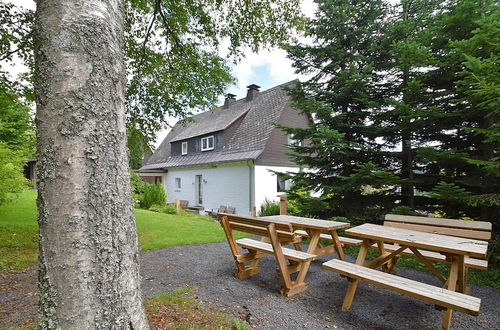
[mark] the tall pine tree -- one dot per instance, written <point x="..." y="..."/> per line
<point x="341" y="152"/>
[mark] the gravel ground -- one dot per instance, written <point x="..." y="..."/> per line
<point x="209" y="268"/>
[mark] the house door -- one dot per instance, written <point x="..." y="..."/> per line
<point x="198" y="189"/>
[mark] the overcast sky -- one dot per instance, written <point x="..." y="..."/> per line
<point x="266" y="69"/>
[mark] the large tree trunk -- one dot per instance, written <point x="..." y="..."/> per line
<point x="89" y="256"/>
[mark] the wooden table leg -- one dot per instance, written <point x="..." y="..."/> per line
<point x="451" y="285"/>
<point x="337" y="245"/>
<point x="313" y="244"/>
<point x="381" y="251"/>
<point x="353" y="284"/>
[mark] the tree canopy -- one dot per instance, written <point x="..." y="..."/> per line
<point x="405" y="101"/>
<point x="178" y="55"/>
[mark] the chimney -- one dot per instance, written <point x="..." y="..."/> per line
<point x="230" y="98"/>
<point x="252" y="92"/>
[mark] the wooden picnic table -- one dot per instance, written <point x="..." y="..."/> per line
<point x="314" y="229"/>
<point x="454" y="248"/>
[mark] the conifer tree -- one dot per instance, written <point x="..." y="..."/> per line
<point x="340" y="150"/>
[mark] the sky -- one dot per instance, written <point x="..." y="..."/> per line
<point x="267" y="68"/>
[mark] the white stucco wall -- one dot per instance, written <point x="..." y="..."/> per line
<point x="266" y="183"/>
<point x="226" y="184"/>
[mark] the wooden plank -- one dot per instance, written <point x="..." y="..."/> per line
<point x="467" y="233"/>
<point x="427" y="263"/>
<point x="435" y="295"/>
<point x="280" y="258"/>
<point x="435" y="256"/>
<point x="268" y="248"/>
<point x="282" y="235"/>
<point x="436" y="242"/>
<point x="353" y="283"/>
<point x="301" y="222"/>
<point x="327" y="237"/>
<point x="441" y="222"/>
<point x="256" y="221"/>
<point x="383" y="258"/>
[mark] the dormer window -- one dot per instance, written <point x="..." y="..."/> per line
<point x="184" y="148"/>
<point x="207" y="143"/>
<point x="294" y="142"/>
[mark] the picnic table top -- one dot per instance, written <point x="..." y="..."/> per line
<point x="308" y="223"/>
<point x="436" y="242"/>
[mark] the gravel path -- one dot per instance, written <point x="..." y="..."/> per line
<point x="209" y="268"/>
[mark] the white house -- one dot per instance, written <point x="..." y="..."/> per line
<point x="226" y="156"/>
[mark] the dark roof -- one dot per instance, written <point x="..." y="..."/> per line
<point x="247" y="142"/>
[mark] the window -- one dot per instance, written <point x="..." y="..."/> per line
<point x="294" y="142"/>
<point x="177" y="183"/>
<point x="282" y="184"/>
<point x="207" y="143"/>
<point x="184" y="148"/>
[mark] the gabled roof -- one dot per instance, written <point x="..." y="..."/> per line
<point x="212" y="121"/>
<point x="248" y="141"/>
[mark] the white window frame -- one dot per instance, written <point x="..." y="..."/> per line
<point x="178" y="183"/>
<point x="294" y="142"/>
<point x="184" y="148"/>
<point x="207" y="139"/>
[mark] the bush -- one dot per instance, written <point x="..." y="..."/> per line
<point x="405" y="210"/>
<point x="168" y="209"/>
<point x="12" y="180"/>
<point x="269" y="208"/>
<point x="273" y="208"/>
<point x="138" y="185"/>
<point x="153" y="194"/>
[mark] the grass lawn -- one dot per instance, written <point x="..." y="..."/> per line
<point x="19" y="235"/>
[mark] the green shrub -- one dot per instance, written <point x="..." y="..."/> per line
<point x="12" y="180"/>
<point x="168" y="209"/>
<point x="153" y="194"/>
<point x="404" y="210"/>
<point x="273" y="208"/>
<point x="269" y="208"/>
<point x="138" y="185"/>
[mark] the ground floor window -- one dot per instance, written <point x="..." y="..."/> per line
<point x="282" y="184"/>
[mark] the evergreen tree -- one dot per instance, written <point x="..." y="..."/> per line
<point x="463" y="161"/>
<point x="341" y="152"/>
<point x="404" y="68"/>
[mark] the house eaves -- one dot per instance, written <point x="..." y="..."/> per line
<point x="205" y="159"/>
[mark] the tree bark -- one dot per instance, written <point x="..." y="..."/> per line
<point x="89" y="254"/>
<point x="407" y="189"/>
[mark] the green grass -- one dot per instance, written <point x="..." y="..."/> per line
<point x="19" y="231"/>
<point x="159" y="230"/>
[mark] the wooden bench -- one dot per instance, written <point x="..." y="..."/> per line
<point x="327" y="237"/>
<point x="279" y="234"/>
<point x="451" y="227"/>
<point x="438" y="296"/>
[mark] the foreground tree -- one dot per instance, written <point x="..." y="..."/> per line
<point x="89" y="254"/>
<point x="89" y="262"/>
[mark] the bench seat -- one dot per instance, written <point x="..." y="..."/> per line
<point x="327" y="237"/>
<point x="435" y="295"/>
<point x="435" y="256"/>
<point x="290" y="254"/>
